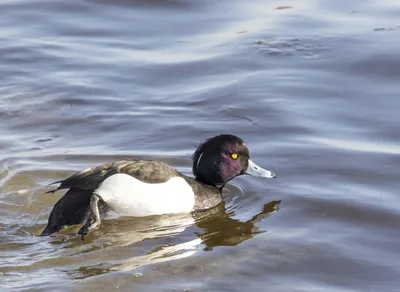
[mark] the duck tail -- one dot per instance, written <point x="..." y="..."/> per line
<point x="73" y="208"/>
<point x="55" y="190"/>
<point x="51" y="191"/>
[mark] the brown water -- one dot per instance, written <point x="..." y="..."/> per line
<point x="311" y="86"/>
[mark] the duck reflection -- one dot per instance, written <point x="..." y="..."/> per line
<point x="220" y="229"/>
<point x="167" y="237"/>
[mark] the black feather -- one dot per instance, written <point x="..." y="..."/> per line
<point x="51" y="192"/>
<point x="219" y="140"/>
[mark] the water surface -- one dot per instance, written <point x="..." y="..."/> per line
<point x="312" y="88"/>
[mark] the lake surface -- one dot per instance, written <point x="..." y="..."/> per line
<point x="311" y="86"/>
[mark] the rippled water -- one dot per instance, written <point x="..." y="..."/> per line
<point x="311" y="86"/>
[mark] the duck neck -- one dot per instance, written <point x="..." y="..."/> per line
<point x="202" y="179"/>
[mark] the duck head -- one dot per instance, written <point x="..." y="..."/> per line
<point x="223" y="157"/>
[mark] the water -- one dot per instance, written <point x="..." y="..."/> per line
<point x="312" y="87"/>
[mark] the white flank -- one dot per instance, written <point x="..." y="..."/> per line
<point x="129" y="196"/>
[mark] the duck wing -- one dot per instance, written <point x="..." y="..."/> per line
<point x="148" y="171"/>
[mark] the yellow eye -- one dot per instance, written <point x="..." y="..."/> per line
<point x="234" y="156"/>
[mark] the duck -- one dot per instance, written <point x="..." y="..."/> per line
<point x="140" y="187"/>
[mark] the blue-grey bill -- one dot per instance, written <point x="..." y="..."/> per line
<point x="254" y="170"/>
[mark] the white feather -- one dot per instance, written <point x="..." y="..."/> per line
<point x="129" y="196"/>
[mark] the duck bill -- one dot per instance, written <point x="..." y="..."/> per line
<point x="254" y="170"/>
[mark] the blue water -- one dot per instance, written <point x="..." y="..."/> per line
<point x="311" y="87"/>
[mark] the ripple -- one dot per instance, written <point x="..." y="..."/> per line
<point x="291" y="47"/>
<point x="312" y="88"/>
<point x="359" y="146"/>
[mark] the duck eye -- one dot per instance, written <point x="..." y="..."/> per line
<point x="234" y="156"/>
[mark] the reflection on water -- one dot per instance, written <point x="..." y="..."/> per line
<point x="222" y="230"/>
<point x="217" y="228"/>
